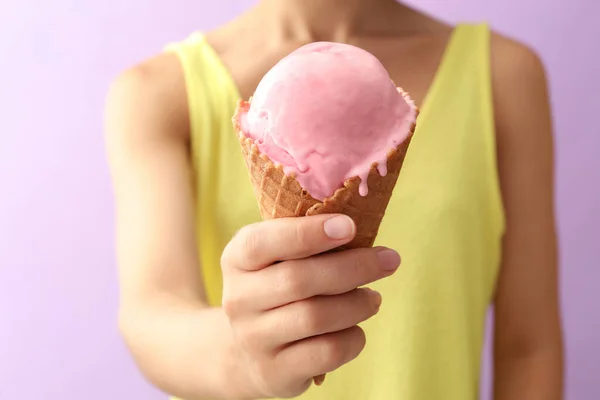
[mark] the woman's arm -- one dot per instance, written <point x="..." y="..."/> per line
<point x="528" y="338"/>
<point x="280" y="325"/>
<point x="180" y="344"/>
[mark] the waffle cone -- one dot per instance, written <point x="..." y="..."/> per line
<point x="280" y="195"/>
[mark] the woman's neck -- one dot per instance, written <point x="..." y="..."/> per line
<point x="325" y="20"/>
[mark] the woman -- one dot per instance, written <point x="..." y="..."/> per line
<point x="211" y="314"/>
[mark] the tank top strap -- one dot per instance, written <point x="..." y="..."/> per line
<point x="210" y="88"/>
<point x="462" y="91"/>
<point x="466" y="60"/>
<point x="212" y="98"/>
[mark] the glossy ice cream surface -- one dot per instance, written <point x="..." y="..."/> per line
<point x="326" y="113"/>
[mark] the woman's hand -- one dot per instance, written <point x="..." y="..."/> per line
<point x="294" y="311"/>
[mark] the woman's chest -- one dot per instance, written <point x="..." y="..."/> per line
<point x="411" y="61"/>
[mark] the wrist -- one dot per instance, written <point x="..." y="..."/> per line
<point x="237" y="378"/>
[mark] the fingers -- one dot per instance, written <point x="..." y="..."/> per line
<point x="326" y="274"/>
<point x="319" y="315"/>
<point x="293" y="309"/>
<point x="322" y="354"/>
<point x="335" y="273"/>
<point x="259" y="245"/>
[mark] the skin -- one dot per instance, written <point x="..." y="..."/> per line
<point x="193" y="351"/>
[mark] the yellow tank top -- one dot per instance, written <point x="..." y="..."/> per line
<point x="445" y="218"/>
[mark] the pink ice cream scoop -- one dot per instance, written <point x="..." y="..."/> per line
<point x="326" y="113"/>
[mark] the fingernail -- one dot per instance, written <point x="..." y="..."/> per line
<point x="339" y="227"/>
<point x="376" y="296"/>
<point x="389" y="260"/>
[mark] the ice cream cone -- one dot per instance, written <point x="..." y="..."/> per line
<point x="280" y="195"/>
<point x="328" y="112"/>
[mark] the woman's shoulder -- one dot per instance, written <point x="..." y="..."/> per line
<point x="152" y="92"/>
<point x="517" y="73"/>
<point x="512" y="59"/>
